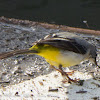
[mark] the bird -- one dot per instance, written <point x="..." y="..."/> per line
<point x="62" y="49"/>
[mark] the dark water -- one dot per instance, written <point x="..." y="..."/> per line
<point x="66" y="12"/>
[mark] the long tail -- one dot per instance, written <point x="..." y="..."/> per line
<point x="16" y="52"/>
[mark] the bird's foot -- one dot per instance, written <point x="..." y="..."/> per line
<point x="69" y="80"/>
<point x="70" y="73"/>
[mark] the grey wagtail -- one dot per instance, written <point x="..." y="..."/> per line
<point x="60" y="49"/>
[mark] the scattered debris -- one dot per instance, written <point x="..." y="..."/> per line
<point x="81" y="91"/>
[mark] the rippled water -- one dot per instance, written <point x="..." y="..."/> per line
<point x="67" y="12"/>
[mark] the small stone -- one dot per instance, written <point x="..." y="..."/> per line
<point x="16" y="62"/>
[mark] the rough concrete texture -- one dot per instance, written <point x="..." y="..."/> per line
<point x="16" y="72"/>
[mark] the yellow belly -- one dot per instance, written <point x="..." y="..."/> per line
<point x="51" y="56"/>
<point x="65" y="58"/>
<point x="57" y="57"/>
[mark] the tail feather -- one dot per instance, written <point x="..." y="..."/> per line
<point x="16" y="52"/>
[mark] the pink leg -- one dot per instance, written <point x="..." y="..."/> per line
<point x="64" y="73"/>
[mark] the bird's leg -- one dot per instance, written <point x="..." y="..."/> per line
<point x="64" y="73"/>
<point x="60" y="70"/>
<point x="68" y="73"/>
<point x="55" y="68"/>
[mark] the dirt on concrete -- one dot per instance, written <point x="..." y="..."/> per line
<point x="24" y="67"/>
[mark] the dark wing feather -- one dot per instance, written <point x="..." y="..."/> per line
<point x="66" y="44"/>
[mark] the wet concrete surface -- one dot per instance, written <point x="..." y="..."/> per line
<point x="24" y="67"/>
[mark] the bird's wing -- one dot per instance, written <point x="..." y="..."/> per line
<point x="69" y="44"/>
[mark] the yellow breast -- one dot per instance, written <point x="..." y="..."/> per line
<point x="56" y="57"/>
<point x="51" y="55"/>
<point x="65" y="58"/>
